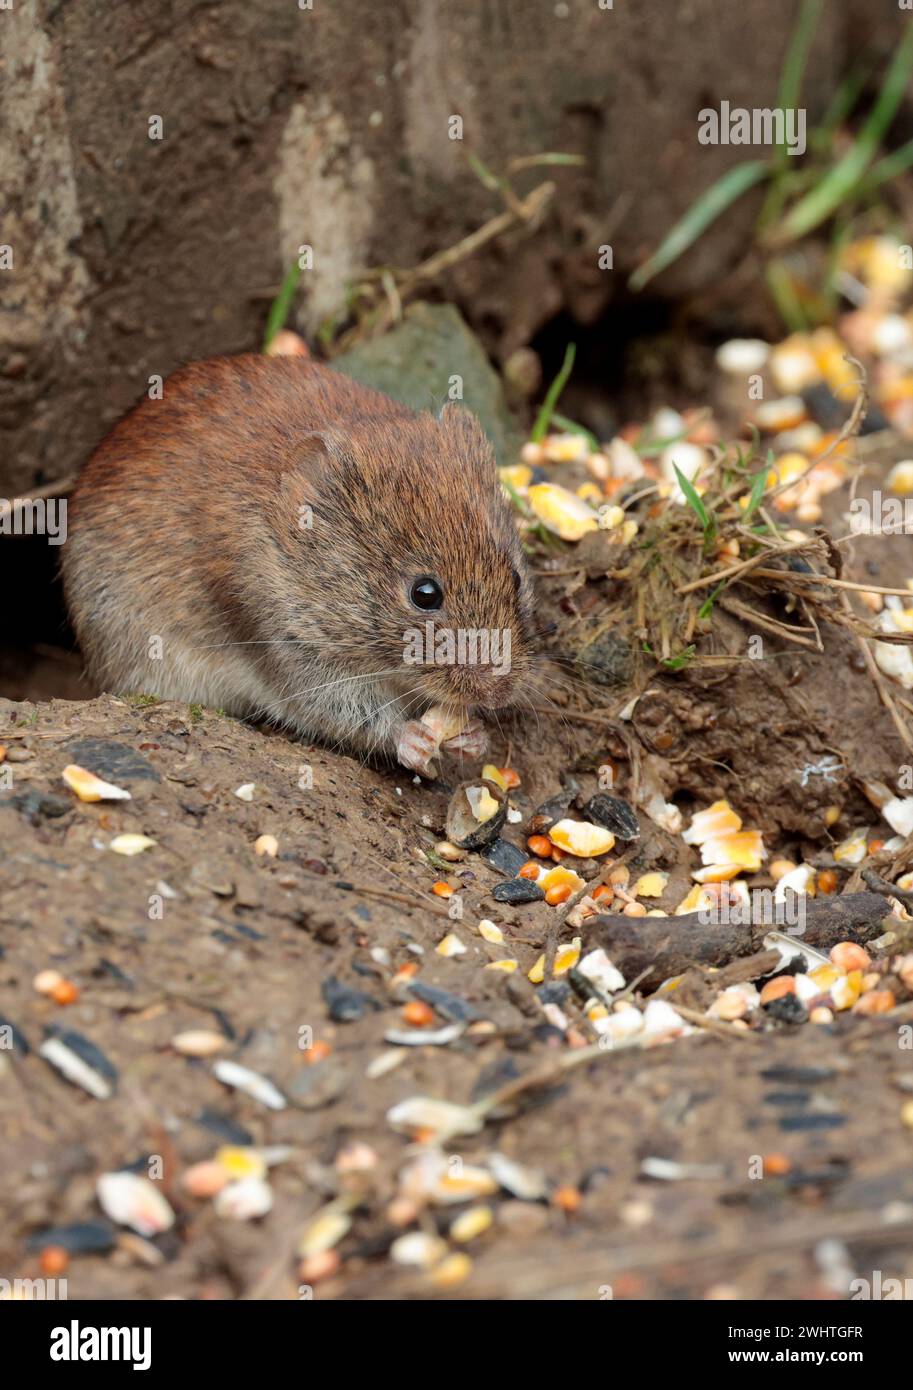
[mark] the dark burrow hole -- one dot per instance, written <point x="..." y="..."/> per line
<point x="38" y="656"/>
<point x="636" y="356"/>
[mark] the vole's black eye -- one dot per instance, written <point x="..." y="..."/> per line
<point x="426" y="593"/>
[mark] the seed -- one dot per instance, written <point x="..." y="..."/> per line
<point x="877" y="1001"/>
<point x="567" y="1198"/>
<point x="821" y="1014"/>
<point x="846" y="955"/>
<point x="131" y="844"/>
<point x="825" y="976"/>
<point x="450" y="946"/>
<point x="268" y="845"/>
<point x="46" y="981"/>
<point x="326" y="1230"/>
<point x="827" y="881"/>
<point x="537" y="974"/>
<point x="718" y="820"/>
<point x="581" y="838"/>
<point x="906" y="1114"/>
<point x="541" y="845"/>
<point x="904" y="967"/>
<point x="494" y="774"/>
<point x="198" y="1042"/>
<point x="831" y="815"/>
<point x="742" y="356"/>
<point x="318" y="1051"/>
<point x="452" y="853"/>
<point x="205" y="1179"/>
<point x="557" y="895"/>
<point x="453" y="1270"/>
<point x="511" y="777"/>
<point x="846" y="990"/>
<point x="88" y="787"/>
<point x="620" y="876"/>
<point x="489" y="932"/>
<point x="567" y="956"/>
<point x="634" y="910"/>
<point x="775" y="1165"/>
<point x="285" y="343"/>
<point x="507" y="966"/>
<point x="418" y="1014"/>
<point x="132" y="1200"/>
<point x="321" y="1266"/>
<point x="730" y="1005"/>
<point x="54" y="1261"/>
<point x="246" y="791"/>
<point x="900" y="478"/>
<point x="442" y="889"/>
<point x="853" y="849"/>
<point x="779" y="868"/>
<point x="65" y="992"/>
<point x="777" y="988"/>
<point x="530" y="870"/>
<point x="602" y="891"/>
<point x="561" y="511"/>
<point x="651" y="885"/>
<point x="471" y="1223"/>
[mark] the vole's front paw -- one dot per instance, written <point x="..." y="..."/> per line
<point x="472" y="741"/>
<point x="417" y="747"/>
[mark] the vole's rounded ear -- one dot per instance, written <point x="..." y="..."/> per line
<point x="464" y="427"/>
<point x="329" y="444"/>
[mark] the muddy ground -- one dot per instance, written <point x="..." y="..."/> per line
<point x="199" y="932"/>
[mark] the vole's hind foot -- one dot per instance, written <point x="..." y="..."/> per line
<point x="417" y="748"/>
<point x="471" y="742"/>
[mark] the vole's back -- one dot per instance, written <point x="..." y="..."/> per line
<point x="169" y="540"/>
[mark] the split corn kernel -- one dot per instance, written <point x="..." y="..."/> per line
<point x="581" y="838"/>
<point x="88" y="787"/>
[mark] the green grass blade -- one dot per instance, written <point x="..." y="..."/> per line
<point x="281" y="306"/>
<point x="571" y="427"/>
<point x="789" y="93"/>
<point x="755" y="497"/>
<point x="842" y="181"/>
<point x="783" y="293"/>
<point x="544" y="418"/>
<point x="675" y="663"/>
<point x="706" y="607"/>
<point x="695" y="503"/>
<point x="897" y="162"/>
<point x="848" y="92"/>
<point x="793" y="70"/>
<point x="703" y="211"/>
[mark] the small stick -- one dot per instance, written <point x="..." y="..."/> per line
<point x="717" y="1026"/>
<point x="887" y="890"/>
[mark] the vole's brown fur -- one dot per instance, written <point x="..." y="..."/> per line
<point x="248" y="542"/>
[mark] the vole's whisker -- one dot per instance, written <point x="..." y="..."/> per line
<point x="343" y="680"/>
